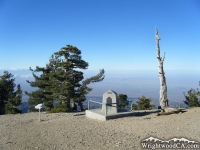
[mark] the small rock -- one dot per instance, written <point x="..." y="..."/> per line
<point x="147" y="117"/>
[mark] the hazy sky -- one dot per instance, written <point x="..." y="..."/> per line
<point x="116" y="35"/>
<point x="112" y="34"/>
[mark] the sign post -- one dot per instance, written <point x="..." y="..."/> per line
<point x="39" y="106"/>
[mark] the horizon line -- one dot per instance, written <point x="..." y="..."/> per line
<point x="21" y="69"/>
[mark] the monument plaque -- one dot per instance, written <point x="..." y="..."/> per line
<point x="110" y="103"/>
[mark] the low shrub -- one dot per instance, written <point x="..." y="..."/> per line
<point x="192" y="98"/>
<point x="143" y="103"/>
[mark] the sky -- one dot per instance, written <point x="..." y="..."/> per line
<point x="116" y="35"/>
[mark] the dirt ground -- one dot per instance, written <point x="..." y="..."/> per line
<point x="67" y="131"/>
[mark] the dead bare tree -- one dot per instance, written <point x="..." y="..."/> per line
<point x="161" y="74"/>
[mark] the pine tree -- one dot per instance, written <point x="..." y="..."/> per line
<point x="61" y="81"/>
<point x="6" y="85"/>
<point x="192" y="98"/>
<point x="14" y="101"/>
<point x="122" y="100"/>
<point x="9" y="100"/>
<point x="84" y="89"/>
<point x="35" y="97"/>
<point x="144" y="103"/>
<point x="67" y="76"/>
<point x="44" y="84"/>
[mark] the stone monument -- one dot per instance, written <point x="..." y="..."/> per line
<point x="110" y="103"/>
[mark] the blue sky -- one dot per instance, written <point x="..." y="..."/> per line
<point x="117" y="35"/>
<point x="114" y="35"/>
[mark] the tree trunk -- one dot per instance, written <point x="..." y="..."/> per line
<point x="73" y="105"/>
<point x="169" y="111"/>
<point x="161" y="74"/>
<point x="81" y="106"/>
<point x="2" y="109"/>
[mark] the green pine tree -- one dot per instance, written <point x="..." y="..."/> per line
<point x="192" y="98"/>
<point x="6" y="87"/>
<point x="122" y="101"/>
<point x="35" y="97"/>
<point x="9" y="99"/>
<point x="14" y="101"/>
<point x="144" y="103"/>
<point x="61" y="81"/>
<point x="67" y="75"/>
<point x="83" y="90"/>
<point x="43" y="82"/>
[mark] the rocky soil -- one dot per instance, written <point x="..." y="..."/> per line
<point x="67" y="131"/>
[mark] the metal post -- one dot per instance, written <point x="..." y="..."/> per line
<point x="39" y="114"/>
<point x="88" y="104"/>
<point x="105" y="109"/>
<point x="131" y="105"/>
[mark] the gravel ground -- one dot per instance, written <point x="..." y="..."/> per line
<point x="66" y="131"/>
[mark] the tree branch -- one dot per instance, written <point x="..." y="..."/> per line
<point x="163" y="57"/>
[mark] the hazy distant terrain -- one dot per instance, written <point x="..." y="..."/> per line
<point x="133" y="83"/>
